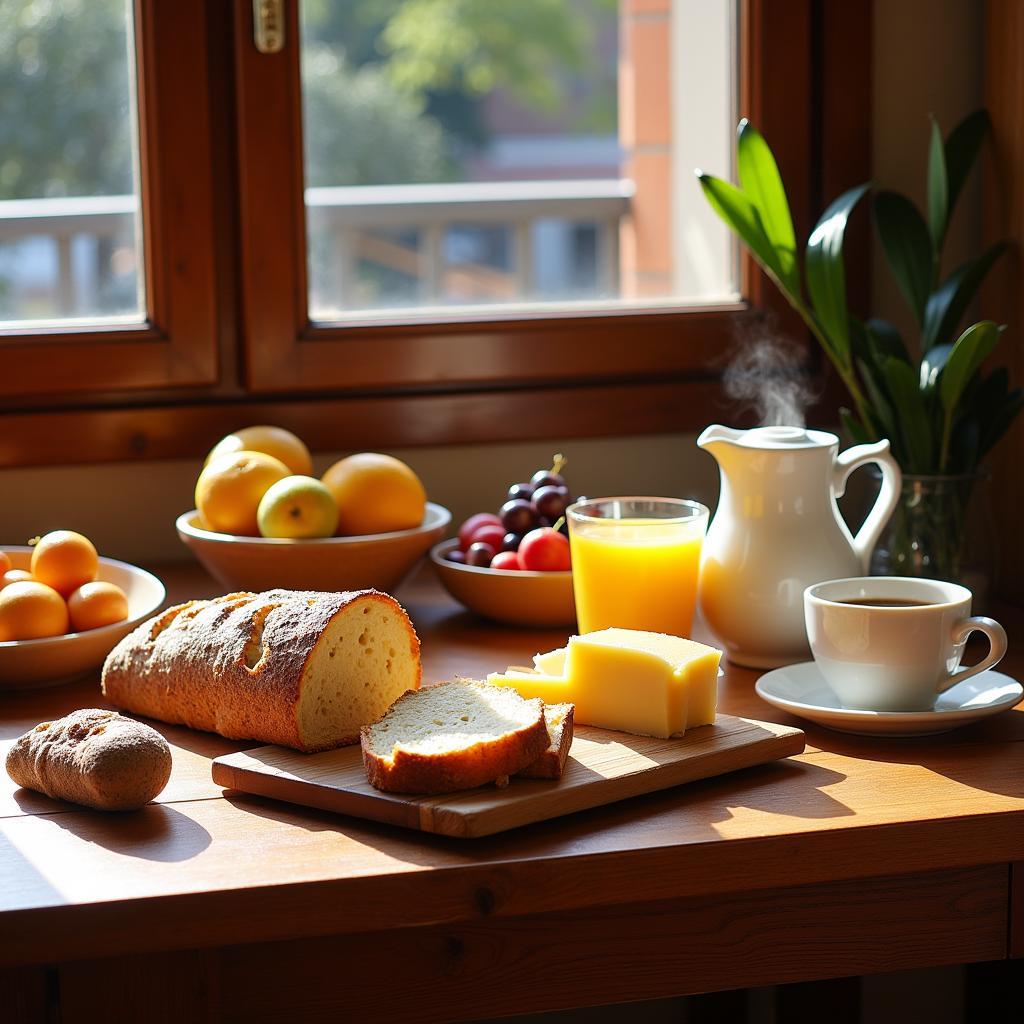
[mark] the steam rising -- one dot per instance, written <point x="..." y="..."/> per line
<point x="768" y="375"/>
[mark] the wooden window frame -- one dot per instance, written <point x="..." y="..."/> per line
<point x="176" y="346"/>
<point x="805" y="78"/>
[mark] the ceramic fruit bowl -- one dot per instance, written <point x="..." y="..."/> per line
<point x="517" y="597"/>
<point x="378" y="560"/>
<point x="28" y="664"/>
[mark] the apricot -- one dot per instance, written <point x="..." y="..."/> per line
<point x="97" y="604"/>
<point x="64" y="560"/>
<point x="31" y="611"/>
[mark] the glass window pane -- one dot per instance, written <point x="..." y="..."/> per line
<point x="465" y="154"/>
<point x="69" y="212"/>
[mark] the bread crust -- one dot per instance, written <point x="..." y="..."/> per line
<point x="234" y="665"/>
<point x="551" y="764"/>
<point x="485" y="762"/>
<point x="93" y="757"/>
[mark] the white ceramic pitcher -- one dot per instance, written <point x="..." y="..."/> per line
<point x="778" y="530"/>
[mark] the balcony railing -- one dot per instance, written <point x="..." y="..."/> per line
<point x="419" y="241"/>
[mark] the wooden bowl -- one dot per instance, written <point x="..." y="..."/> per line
<point x="516" y="597"/>
<point x="28" y="664"/>
<point x="377" y="560"/>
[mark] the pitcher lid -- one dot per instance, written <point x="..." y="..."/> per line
<point x="786" y="438"/>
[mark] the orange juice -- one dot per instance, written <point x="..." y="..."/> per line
<point x="636" y="572"/>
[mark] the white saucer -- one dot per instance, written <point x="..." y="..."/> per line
<point x="802" y="690"/>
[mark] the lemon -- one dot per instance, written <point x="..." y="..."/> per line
<point x="276" y="441"/>
<point x="230" y="488"/>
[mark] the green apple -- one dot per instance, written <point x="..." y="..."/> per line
<point x="297" y="507"/>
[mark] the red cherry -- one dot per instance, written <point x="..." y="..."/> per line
<point x="544" y="550"/>
<point x="490" y="533"/>
<point x="506" y="560"/>
<point x="472" y="524"/>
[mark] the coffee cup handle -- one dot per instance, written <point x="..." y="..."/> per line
<point x="997" y="647"/>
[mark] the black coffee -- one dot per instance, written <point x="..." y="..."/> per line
<point x="886" y="602"/>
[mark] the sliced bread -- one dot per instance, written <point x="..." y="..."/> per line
<point x="306" y="670"/>
<point x="455" y="735"/>
<point x="551" y="764"/>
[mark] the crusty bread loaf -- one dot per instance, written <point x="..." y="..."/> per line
<point x="551" y="764"/>
<point x="92" y="757"/>
<point x="456" y="735"/>
<point x="303" y="669"/>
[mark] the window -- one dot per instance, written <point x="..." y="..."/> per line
<point x="413" y="221"/>
<point x="523" y="162"/>
<point x="106" y="244"/>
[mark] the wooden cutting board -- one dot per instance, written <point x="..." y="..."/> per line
<point x="603" y="767"/>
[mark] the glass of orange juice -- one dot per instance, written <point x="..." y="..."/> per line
<point x="635" y="562"/>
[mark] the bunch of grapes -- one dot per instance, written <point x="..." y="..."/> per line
<point x="529" y="531"/>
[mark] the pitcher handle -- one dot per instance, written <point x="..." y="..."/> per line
<point x="888" y="495"/>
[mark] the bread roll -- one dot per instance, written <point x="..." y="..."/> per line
<point x="453" y="736"/>
<point x="302" y="669"/>
<point x="92" y="757"/>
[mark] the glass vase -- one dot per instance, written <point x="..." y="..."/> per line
<point x="942" y="529"/>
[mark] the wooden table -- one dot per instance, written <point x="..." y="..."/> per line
<point x="857" y="857"/>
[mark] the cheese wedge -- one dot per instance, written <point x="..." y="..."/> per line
<point x="633" y="681"/>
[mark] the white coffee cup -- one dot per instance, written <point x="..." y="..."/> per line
<point x="880" y="655"/>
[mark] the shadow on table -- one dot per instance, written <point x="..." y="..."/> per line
<point x="987" y="765"/>
<point x="155" y="832"/>
<point x="687" y="814"/>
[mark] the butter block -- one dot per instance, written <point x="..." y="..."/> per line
<point x="629" y="680"/>
<point x="552" y="663"/>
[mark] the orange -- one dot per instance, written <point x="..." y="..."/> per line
<point x="64" y="560"/>
<point x="97" y="604"/>
<point x="276" y="441"/>
<point x="375" y="494"/>
<point x="29" y="611"/>
<point x="229" y="490"/>
<point x="5" y="562"/>
<point x="15" y="576"/>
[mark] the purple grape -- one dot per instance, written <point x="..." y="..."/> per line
<point x="550" y="502"/>
<point x="511" y="541"/>
<point x="524" y="491"/>
<point x="479" y="554"/>
<point x="517" y="516"/>
<point x="545" y="478"/>
<point x="456" y="555"/>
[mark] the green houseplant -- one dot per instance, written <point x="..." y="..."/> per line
<point x="941" y="413"/>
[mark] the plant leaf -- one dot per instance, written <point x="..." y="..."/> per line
<point x="826" y="277"/>
<point x="887" y="423"/>
<point x="913" y="417"/>
<point x="969" y="352"/>
<point x="855" y="430"/>
<point x="938" y="188"/>
<point x="740" y="213"/>
<point x="948" y="303"/>
<point x="1002" y="421"/>
<point x="932" y="363"/>
<point x="885" y="339"/>
<point x="907" y="244"/>
<point x="760" y="180"/>
<point x="962" y="149"/>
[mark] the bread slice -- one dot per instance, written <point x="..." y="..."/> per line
<point x="551" y="764"/>
<point x="303" y="669"/>
<point x="455" y="735"/>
